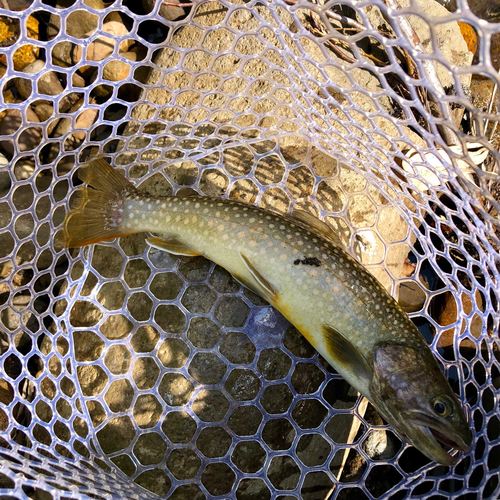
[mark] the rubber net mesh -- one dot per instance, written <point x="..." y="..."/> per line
<point x="126" y="373"/>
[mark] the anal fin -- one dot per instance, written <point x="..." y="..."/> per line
<point x="260" y="286"/>
<point x="171" y="245"/>
<point x="347" y="356"/>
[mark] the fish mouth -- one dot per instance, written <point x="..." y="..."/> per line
<point x="438" y="444"/>
<point x="455" y="442"/>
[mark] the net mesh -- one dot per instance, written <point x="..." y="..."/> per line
<point x="126" y="373"/>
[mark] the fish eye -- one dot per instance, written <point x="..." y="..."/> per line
<point x="441" y="407"/>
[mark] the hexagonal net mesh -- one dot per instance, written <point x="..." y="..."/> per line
<point x="127" y="373"/>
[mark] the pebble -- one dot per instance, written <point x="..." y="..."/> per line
<point x="62" y="54"/>
<point x="48" y="83"/>
<point x="43" y="109"/>
<point x="116" y="71"/>
<point x="29" y="139"/>
<point x="79" y="22"/>
<point x="102" y="47"/>
<point x="84" y="121"/>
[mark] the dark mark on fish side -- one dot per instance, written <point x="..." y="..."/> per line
<point x="308" y="261"/>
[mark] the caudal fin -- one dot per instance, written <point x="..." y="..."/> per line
<point x="98" y="212"/>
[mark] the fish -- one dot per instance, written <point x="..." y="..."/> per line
<point x="296" y="264"/>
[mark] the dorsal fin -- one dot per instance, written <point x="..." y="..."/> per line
<point x="187" y="192"/>
<point x="309" y="221"/>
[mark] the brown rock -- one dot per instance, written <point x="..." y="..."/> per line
<point x="116" y="71"/>
<point x="85" y="121"/>
<point x="103" y="46"/>
<point x="62" y="54"/>
<point x="48" y="83"/>
<point x="448" y="315"/>
<point x="77" y="24"/>
<point x="43" y="109"/>
<point x="18" y="4"/>
<point x="29" y="138"/>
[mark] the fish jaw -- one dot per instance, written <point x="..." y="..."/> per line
<point x="456" y="436"/>
<point x="423" y="439"/>
<point x="427" y="438"/>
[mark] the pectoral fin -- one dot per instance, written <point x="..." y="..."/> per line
<point x="347" y="357"/>
<point x="259" y="285"/>
<point x="171" y="245"/>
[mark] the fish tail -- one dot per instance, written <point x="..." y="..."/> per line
<point x="99" y="208"/>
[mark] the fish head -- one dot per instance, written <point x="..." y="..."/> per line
<point x="414" y="396"/>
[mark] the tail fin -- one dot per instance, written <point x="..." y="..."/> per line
<point x="98" y="213"/>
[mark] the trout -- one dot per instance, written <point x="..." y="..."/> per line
<point x="293" y="263"/>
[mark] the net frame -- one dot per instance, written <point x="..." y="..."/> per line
<point x="31" y="337"/>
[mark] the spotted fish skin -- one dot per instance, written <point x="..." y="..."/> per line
<point x="337" y="292"/>
<point x="342" y="310"/>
